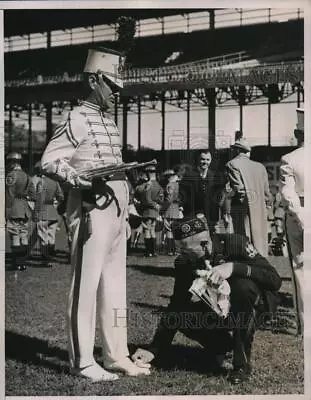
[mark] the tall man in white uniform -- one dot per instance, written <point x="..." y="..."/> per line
<point x="292" y="190"/>
<point x="97" y="216"/>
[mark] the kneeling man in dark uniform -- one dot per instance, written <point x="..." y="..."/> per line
<point x="229" y="258"/>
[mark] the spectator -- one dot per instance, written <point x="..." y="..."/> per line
<point x="197" y="191"/>
<point x="251" y="196"/>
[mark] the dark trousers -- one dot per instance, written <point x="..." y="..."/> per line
<point x="216" y="334"/>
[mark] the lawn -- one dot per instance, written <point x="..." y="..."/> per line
<point x="36" y="357"/>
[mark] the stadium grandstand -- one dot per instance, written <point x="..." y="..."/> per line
<point x="192" y="76"/>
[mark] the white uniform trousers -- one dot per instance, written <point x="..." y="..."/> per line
<point x="294" y="234"/>
<point x="98" y="279"/>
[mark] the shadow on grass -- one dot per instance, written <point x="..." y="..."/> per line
<point x="30" y="350"/>
<point x="151" y="270"/>
<point x="149" y="306"/>
<point x="194" y="359"/>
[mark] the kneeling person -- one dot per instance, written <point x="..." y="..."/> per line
<point x="253" y="281"/>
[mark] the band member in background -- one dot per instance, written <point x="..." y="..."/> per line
<point x="48" y="196"/>
<point x="97" y="214"/>
<point x="251" y="196"/>
<point x="150" y="196"/>
<point x="19" y="197"/>
<point x="292" y="190"/>
<point x="252" y="280"/>
<point x="170" y="208"/>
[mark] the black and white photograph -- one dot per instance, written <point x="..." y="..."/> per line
<point x="154" y="214"/>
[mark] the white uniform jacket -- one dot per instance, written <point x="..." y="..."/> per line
<point x="292" y="183"/>
<point x="84" y="139"/>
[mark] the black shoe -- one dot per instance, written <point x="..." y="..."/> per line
<point x="148" y="255"/>
<point x="21" y="267"/>
<point x="239" y="374"/>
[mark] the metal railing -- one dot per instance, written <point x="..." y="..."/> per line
<point x="191" y="74"/>
<point x="149" y="27"/>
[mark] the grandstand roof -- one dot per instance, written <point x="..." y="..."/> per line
<point x="19" y="22"/>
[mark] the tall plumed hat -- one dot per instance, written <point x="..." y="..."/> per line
<point x="108" y="62"/>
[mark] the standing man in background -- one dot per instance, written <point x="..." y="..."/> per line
<point x="292" y="190"/>
<point x="197" y="192"/>
<point x="251" y="196"/>
<point x="48" y="195"/>
<point x="19" y="196"/>
<point x="97" y="212"/>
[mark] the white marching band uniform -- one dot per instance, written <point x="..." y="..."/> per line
<point x="99" y="263"/>
<point x="292" y="190"/>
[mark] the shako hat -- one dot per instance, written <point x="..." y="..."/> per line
<point x="106" y="61"/>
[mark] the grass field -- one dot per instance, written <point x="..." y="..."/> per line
<point x="36" y="357"/>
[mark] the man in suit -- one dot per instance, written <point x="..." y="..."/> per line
<point x="48" y="195"/>
<point x="292" y="190"/>
<point x="197" y="190"/>
<point x="252" y="281"/>
<point x="150" y="197"/>
<point x="19" y="195"/>
<point x="97" y="212"/>
<point x="251" y="196"/>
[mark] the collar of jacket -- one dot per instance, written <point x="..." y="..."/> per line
<point x="93" y="106"/>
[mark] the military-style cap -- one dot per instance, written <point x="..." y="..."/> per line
<point x="14" y="156"/>
<point x="169" y="172"/>
<point x="241" y="144"/>
<point x="150" y="168"/>
<point x="300" y="119"/>
<point x="38" y="165"/>
<point x="106" y="61"/>
<point x="188" y="227"/>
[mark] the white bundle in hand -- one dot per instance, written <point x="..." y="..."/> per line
<point x="217" y="298"/>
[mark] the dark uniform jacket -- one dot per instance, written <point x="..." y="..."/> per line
<point x="170" y="207"/>
<point x="47" y="191"/>
<point x="248" y="264"/>
<point x="150" y="195"/>
<point x="197" y="195"/>
<point x="18" y="191"/>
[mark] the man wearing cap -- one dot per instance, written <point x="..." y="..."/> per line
<point x="251" y="196"/>
<point x="252" y="279"/>
<point x="292" y="190"/>
<point x="97" y="215"/>
<point x="48" y="195"/>
<point x="150" y="196"/>
<point x="19" y="194"/>
<point x="170" y="208"/>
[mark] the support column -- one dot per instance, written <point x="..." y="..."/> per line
<point x="10" y="128"/>
<point x="163" y="120"/>
<point x="49" y="126"/>
<point x="188" y="119"/>
<point x="139" y="122"/>
<point x="298" y="95"/>
<point x="211" y="97"/>
<point x="30" y="148"/>
<point x="241" y="117"/>
<point x="269" y="121"/>
<point x="124" y="133"/>
<point x="116" y="109"/>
